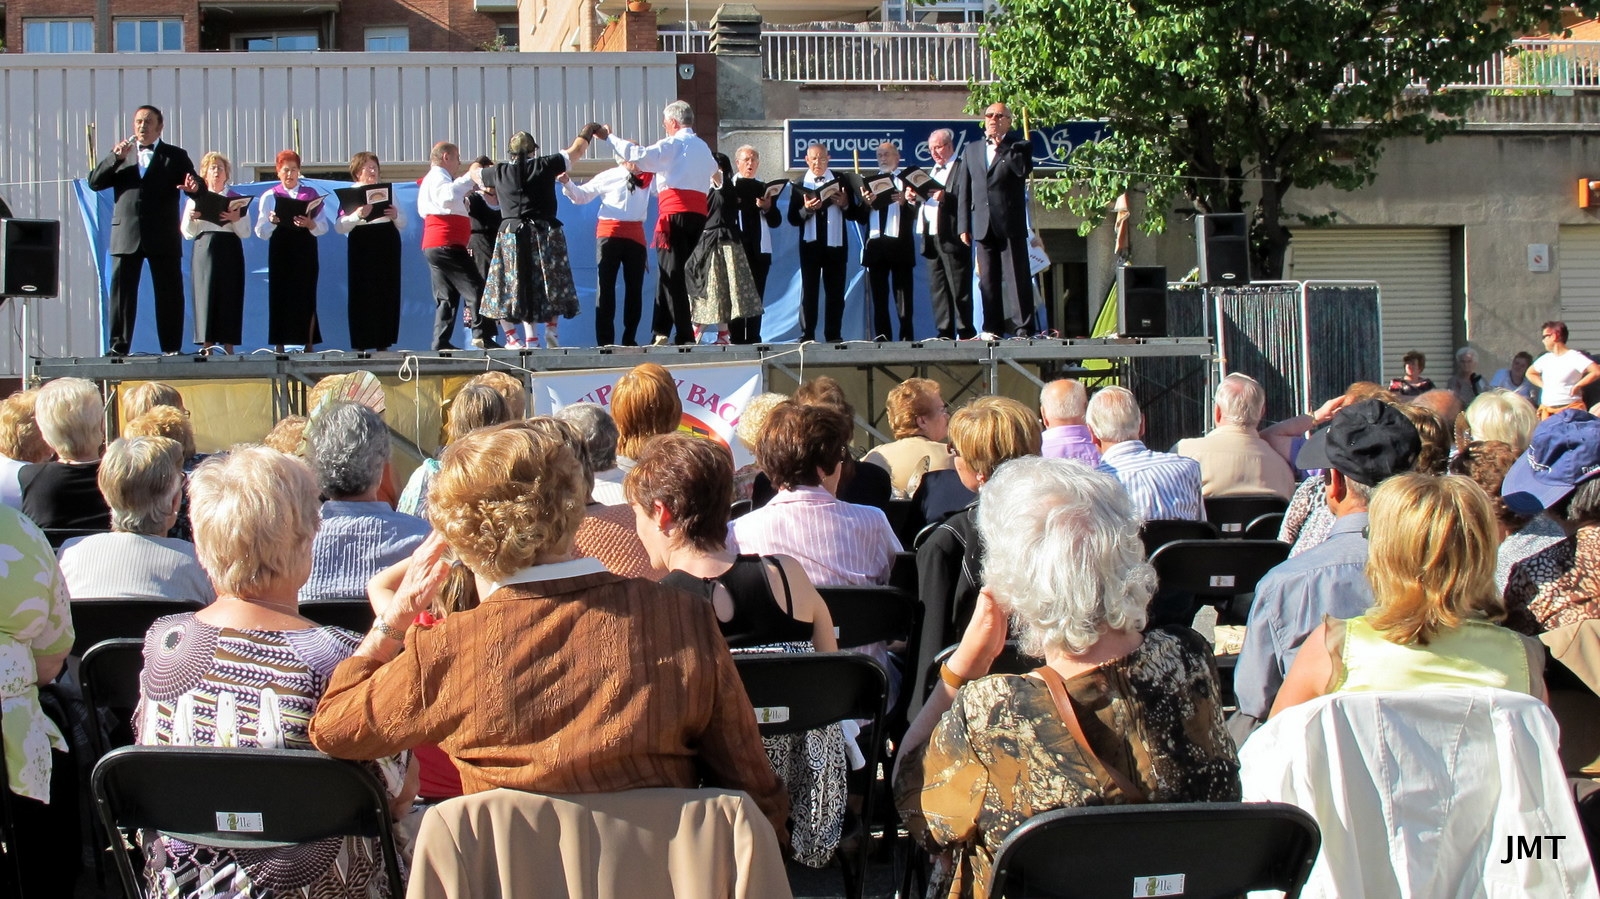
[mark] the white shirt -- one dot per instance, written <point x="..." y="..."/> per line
<point x="833" y="214"/>
<point x="766" y="229"/>
<point x="440" y="195"/>
<point x="930" y="206"/>
<point x="269" y="203"/>
<point x="889" y="216"/>
<point x="619" y="199"/>
<point x="344" y="224"/>
<point x="681" y="161"/>
<point x="1560" y="372"/>
<point x="145" y="155"/>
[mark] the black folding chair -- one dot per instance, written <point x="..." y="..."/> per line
<point x="352" y="613"/>
<point x="1264" y="527"/>
<point x="904" y="572"/>
<point x="1201" y="849"/>
<point x="58" y="536"/>
<point x="109" y="674"/>
<point x="905" y="518"/>
<point x="240" y="799"/>
<point x="796" y="692"/>
<point x="94" y="620"/>
<point x="1158" y="532"/>
<point x="1232" y="514"/>
<point x="863" y="615"/>
<point x="1217" y="572"/>
<point x="740" y="507"/>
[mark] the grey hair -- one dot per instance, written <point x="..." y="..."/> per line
<point x="1584" y="505"/>
<point x="1504" y="416"/>
<point x="754" y="417"/>
<point x="679" y="112"/>
<point x="747" y="148"/>
<point x="1062" y="554"/>
<point x="348" y="445"/>
<point x="1466" y="351"/>
<point x="1113" y="415"/>
<point x="71" y="418"/>
<point x="949" y="136"/>
<point x="1241" y="401"/>
<point x="1066" y="402"/>
<point x="599" y="433"/>
<point x="140" y="477"/>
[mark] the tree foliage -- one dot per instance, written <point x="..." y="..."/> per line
<point x="1220" y="106"/>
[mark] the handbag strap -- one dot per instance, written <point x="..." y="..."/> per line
<point x="1069" y="717"/>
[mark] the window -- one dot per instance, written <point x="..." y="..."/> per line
<point x="508" y="36"/>
<point x="388" y="38"/>
<point x="149" y="35"/>
<point x="58" y="35"/>
<point x="276" y="40"/>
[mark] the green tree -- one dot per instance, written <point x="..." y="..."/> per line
<point x="1227" y="105"/>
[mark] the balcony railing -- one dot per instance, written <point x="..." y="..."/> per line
<point x="1540" y="65"/>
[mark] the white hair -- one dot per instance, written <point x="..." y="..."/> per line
<point x="71" y="418"/>
<point x="1466" y="351"/>
<point x="1063" y="400"/>
<point x="1504" y="416"/>
<point x="1062" y="554"/>
<point x="680" y="112"/>
<point x="1113" y="415"/>
<point x="1241" y="401"/>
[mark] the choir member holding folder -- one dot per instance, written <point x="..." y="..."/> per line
<point x="373" y="223"/>
<point x="292" y="217"/>
<point x="216" y="220"/>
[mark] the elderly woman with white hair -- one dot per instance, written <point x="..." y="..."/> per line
<point x="600" y="436"/>
<point x="1500" y="415"/>
<point x="142" y="480"/>
<point x="348" y="447"/>
<point x="1465" y="380"/>
<point x="1113" y="716"/>
<point x="65" y="493"/>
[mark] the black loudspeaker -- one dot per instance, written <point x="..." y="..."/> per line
<point x="1142" y="301"/>
<point x="30" y="257"/>
<point x="1222" y="242"/>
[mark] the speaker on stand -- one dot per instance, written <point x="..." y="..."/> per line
<point x="30" y="266"/>
<point x="1142" y="301"/>
<point x="1222" y="245"/>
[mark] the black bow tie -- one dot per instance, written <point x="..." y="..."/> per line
<point x="144" y="147"/>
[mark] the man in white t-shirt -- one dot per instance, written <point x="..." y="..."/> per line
<point x="1561" y="373"/>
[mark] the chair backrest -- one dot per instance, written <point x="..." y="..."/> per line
<point x="739" y="508"/>
<point x="110" y="677"/>
<point x="58" y="536"/>
<point x="904" y="573"/>
<point x="1264" y="527"/>
<point x="863" y="615"/>
<point x="924" y="533"/>
<point x="1010" y="661"/>
<point x="240" y="799"/>
<point x="1232" y="514"/>
<point x="353" y="613"/>
<point x="1160" y="849"/>
<point x="94" y="620"/>
<point x="1158" y="532"/>
<point x="1216" y="569"/>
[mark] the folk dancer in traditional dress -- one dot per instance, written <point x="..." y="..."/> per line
<point x="721" y="287"/>
<point x="624" y="195"/>
<point x="446" y="230"/>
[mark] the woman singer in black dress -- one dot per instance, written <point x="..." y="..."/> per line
<point x="373" y="272"/>
<point x="291" y="259"/>
<point x="218" y="263"/>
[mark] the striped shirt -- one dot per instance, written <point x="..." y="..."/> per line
<point x="836" y="543"/>
<point x="1161" y="485"/>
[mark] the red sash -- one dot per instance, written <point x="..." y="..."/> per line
<point x="445" y="231"/>
<point x="672" y="202"/>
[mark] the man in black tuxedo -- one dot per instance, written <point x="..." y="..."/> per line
<point x="994" y="220"/>
<point x="823" y="242"/>
<point x="148" y="176"/>
<point x="757" y="215"/>
<point x="949" y="259"/>
<point x="890" y="251"/>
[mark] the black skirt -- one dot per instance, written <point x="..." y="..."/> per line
<point x="374" y="282"/>
<point x="218" y="269"/>
<point x="292" y="287"/>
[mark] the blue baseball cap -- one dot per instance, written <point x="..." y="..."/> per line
<point x="1564" y="452"/>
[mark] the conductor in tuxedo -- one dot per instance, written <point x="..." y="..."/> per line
<point x="890" y="251"/>
<point x="994" y="220"/>
<point x="148" y="175"/>
<point x="949" y="260"/>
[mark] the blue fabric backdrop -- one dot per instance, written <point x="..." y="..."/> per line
<point x="781" y="323"/>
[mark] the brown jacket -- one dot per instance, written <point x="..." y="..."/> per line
<point x="587" y="684"/>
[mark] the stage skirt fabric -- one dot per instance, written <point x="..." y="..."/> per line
<point x="721" y="287"/>
<point x="373" y="275"/>
<point x="292" y="287"/>
<point x="218" y="269"/>
<point x="530" y="279"/>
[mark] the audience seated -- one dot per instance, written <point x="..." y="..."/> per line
<point x="607" y="532"/>
<point x="288" y="436"/>
<point x="1501" y="415"/>
<point x="857" y="484"/>
<point x="1066" y="567"/>
<point x="510" y="388"/>
<point x="360" y="534"/>
<point x="679" y="493"/>
<point x="474" y="406"/>
<point x="752" y="421"/>
<point x="802" y="451"/>
<point x="1366" y="444"/>
<point x="1435" y="614"/>
<point x="919" y="420"/>
<point x="1486" y="462"/>
<point x="64" y="493"/>
<point x="985" y="433"/>
<point x="1234" y="460"/>
<point x="142" y="480"/>
<point x="1062" y="405"/>
<point x="172" y="423"/>
<point x="21" y="444"/>
<point x="565" y="678"/>
<point x="644" y="403"/>
<point x="1436" y="440"/>
<point x="1560" y="584"/>
<point x="1307" y="521"/>
<point x="599" y="434"/>
<point x="1161" y="485"/>
<point x="248" y="671"/>
<point x="141" y="398"/>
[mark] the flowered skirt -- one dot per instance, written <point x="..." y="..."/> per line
<point x="721" y="288"/>
<point x="530" y="279"/>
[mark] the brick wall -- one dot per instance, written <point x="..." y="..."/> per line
<point x="631" y="31"/>
<point x="437" y="25"/>
<point x="17" y="11"/>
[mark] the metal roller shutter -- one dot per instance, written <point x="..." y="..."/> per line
<point x="1415" y="284"/>
<point x="1578" y="260"/>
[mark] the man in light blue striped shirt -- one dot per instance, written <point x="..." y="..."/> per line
<point x="1161" y="485"/>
